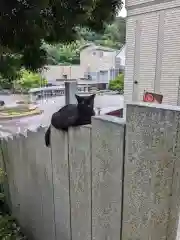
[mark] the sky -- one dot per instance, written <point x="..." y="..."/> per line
<point x="123" y="12"/>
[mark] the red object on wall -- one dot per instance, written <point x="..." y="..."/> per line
<point x="152" y="97"/>
<point x="116" y="113"/>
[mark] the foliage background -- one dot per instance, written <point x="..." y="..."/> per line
<point x="118" y="83"/>
<point x="12" y="75"/>
<point x="26" y="24"/>
<point x="29" y="80"/>
<point x="9" y="230"/>
<point x="113" y="36"/>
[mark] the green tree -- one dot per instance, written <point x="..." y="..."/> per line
<point x="29" y="80"/>
<point x="64" y="53"/>
<point x="116" y="31"/>
<point x="88" y="35"/>
<point x="113" y="36"/>
<point x="8" y="226"/>
<point x="9" y="69"/>
<point x="24" y="25"/>
<point x="5" y="83"/>
<point x="118" y="83"/>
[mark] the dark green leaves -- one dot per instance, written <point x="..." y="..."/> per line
<point x="24" y="24"/>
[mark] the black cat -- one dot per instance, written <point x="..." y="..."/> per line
<point x="72" y="115"/>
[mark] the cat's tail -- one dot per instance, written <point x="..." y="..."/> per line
<point x="47" y="137"/>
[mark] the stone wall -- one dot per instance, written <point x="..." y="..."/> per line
<point x="111" y="180"/>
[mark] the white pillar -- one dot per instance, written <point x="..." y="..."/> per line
<point x="70" y="91"/>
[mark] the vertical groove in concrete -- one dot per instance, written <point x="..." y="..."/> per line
<point x="178" y="98"/>
<point x="91" y="179"/>
<point x="136" y="60"/>
<point x="122" y="192"/>
<point x="69" y="179"/>
<point x="159" y="54"/>
<point x="53" y="196"/>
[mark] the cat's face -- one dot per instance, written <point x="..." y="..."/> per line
<point x="86" y="103"/>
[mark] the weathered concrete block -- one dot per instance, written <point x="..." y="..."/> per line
<point x="80" y="181"/>
<point x="32" y="206"/>
<point x="45" y="185"/>
<point x="151" y="184"/>
<point x="107" y="175"/>
<point x="18" y="161"/>
<point x="60" y="166"/>
<point x="37" y="209"/>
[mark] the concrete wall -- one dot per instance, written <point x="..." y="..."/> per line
<point x="152" y="57"/>
<point x="53" y="73"/>
<point x="151" y="179"/>
<point x="111" y="180"/>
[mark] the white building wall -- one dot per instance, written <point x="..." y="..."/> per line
<point x="92" y="61"/>
<point x="57" y="72"/>
<point x="153" y="49"/>
<point x="171" y="57"/>
<point x="122" y="56"/>
<point x="135" y="2"/>
<point x="130" y="55"/>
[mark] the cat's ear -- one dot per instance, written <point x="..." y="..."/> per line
<point x="92" y="96"/>
<point x="77" y="97"/>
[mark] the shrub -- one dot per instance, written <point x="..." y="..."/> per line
<point x="118" y="83"/>
<point x="29" y="80"/>
<point x="9" y="229"/>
